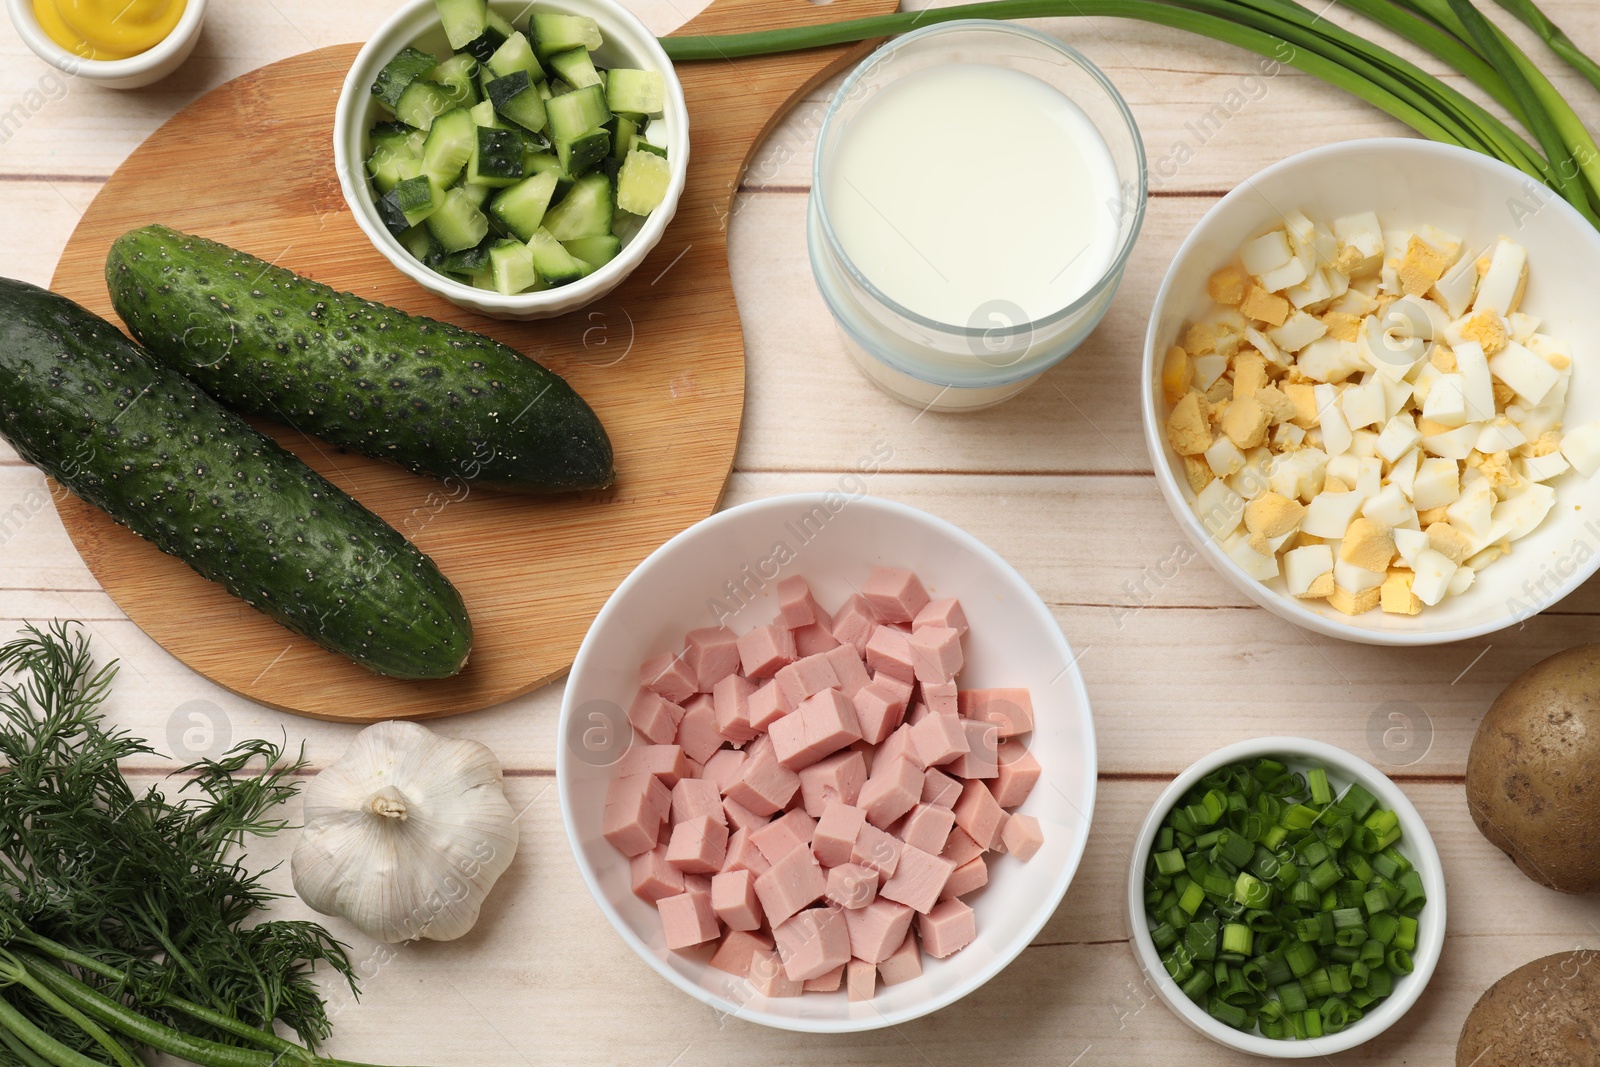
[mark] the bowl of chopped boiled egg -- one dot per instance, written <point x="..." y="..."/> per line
<point x="1371" y="396"/>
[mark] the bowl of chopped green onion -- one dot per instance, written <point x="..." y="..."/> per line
<point x="1285" y="898"/>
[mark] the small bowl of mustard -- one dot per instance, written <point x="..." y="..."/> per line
<point x="120" y="44"/>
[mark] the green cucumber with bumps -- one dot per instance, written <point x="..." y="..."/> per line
<point x="141" y="442"/>
<point x="428" y="395"/>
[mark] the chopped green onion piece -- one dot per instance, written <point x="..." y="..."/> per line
<point x="1321" y="791"/>
<point x="1237" y="938"/>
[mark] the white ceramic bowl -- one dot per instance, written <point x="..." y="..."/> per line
<point x="131" y="73"/>
<point x="1416" y="844"/>
<point x="627" y="43"/>
<point x="832" y="539"/>
<point x="1408" y="183"/>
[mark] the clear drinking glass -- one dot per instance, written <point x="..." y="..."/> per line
<point x="999" y="351"/>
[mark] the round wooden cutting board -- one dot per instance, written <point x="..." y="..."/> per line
<point x="661" y="360"/>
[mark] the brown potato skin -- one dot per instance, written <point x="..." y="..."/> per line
<point x="1533" y="775"/>
<point x="1543" y="1014"/>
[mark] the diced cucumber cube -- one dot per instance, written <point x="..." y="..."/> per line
<point x="576" y="113"/>
<point x="584" y="212"/>
<point x="642" y="182"/>
<point x="419" y="242"/>
<point x="421" y="103"/>
<point x="578" y="155"/>
<point x="625" y="133"/>
<point x="575" y="67"/>
<point x="418" y="197"/>
<point x="515" y="98"/>
<point x="457" y="223"/>
<point x="483" y="114"/>
<point x="516" y="54"/>
<point x="458" y="75"/>
<point x="558" y="33"/>
<point x="497" y="158"/>
<point x="521" y="208"/>
<point x="641" y="145"/>
<point x="595" y="251"/>
<point x="545" y="90"/>
<point x="511" y="267"/>
<point x="484" y="45"/>
<point x="399" y="73"/>
<point x="539" y="162"/>
<point x="477" y="192"/>
<point x="463" y="20"/>
<point x="554" y="263"/>
<point x="450" y="144"/>
<point x="389" y="165"/>
<point x="636" y="92"/>
<point x="474" y="260"/>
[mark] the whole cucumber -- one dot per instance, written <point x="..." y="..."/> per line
<point x="430" y="396"/>
<point x="144" y="444"/>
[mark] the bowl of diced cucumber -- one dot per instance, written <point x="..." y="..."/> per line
<point x="516" y="159"/>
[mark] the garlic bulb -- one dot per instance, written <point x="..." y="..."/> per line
<point x="405" y="834"/>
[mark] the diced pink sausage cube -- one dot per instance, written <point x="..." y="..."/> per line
<point x="892" y="790"/>
<point x="851" y="885"/>
<point x="666" y="762"/>
<point x="768" y="976"/>
<point x="794" y="882"/>
<point x="878" y="713"/>
<point x="634" y="812"/>
<point x="1018" y="773"/>
<point x="940" y="697"/>
<point x="743" y="855"/>
<point x="669" y="676"/>
<point x="936" y="653"/>
<point x="698" y="733"/>
<point x="854" y="622"/>
<point x="877" y="849"/>
<point x="738" y="949"/>
<point x="687" y="920"/>
<point x="781" y="836"/>
<point x="767" y="705"/>
<point x="848" y="668"/>
<point x="806" y="677"/>
<point x="731" y="698"/>
<point x="979" y="815"/>
<point x="797" y="606"/>
<point x="698" y="845"/>
<point x="696" y="796"/>
<point x="900" y="688"/>
<point x="1009" y="709"/>
<point x="814" y="640"/>
<point x="889" y="651"/>
<point x="654" y="716"/>
<point x="939" y="738"/>
<point x="764" y="785"/>
<point x="938" y="788"/>
<point x="904" y="965"/>
<point x="970" y="877"/>
<point x="944" y="612"/>
<point x="834" y="839"/>
<point x="898" y="745"/>
<point x="860" y="981"/>
<point x="960" y="848"/>
<point x="812" y="943"/>
<point x="819" y="727"/>
<point x="733" y="899"/>
<point x="839" y="777"/>
<point x="764" y="649"/>
<point x="1022" y="836"/>
<point x="982" y="758"/>
<point x="927" y="827"/>
<point x="895" y="593"/>
<point x="723" y="767"/>
<point x="918" y="879"/>
<point x="826" y="983"/>
<point x="918" y="712"/>
<point x="741" y="817"/>
<point x="877" y="929"/>
<point x="948" y="928"/>
<point x="653" y="877"/>
<point x="712" y="654"/>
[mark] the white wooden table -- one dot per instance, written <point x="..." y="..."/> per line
<point x="1058" y="481"/>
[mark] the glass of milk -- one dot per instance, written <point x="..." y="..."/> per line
<point x="976" y="190"/>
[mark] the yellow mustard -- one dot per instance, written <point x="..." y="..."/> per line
<point x="107" y="29"/>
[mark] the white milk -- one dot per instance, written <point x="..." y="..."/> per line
<point x="967" y="184"/>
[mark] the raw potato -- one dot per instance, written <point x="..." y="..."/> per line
<point x="1533" y="776"/>
<point x="1543" y="1014"/>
